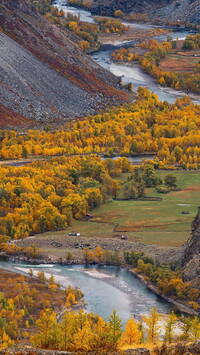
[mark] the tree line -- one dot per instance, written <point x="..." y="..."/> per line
<point x="168" y="281"/>
<point x="169" y="130"/>
<point x="86" y="332"/>
<point x="49" y="195"/>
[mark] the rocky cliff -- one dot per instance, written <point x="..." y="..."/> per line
<point x="173" y="10"/>
<point x="44" y="74"/>
<point x="107" y="7"/>
<point x="191" y="256"/>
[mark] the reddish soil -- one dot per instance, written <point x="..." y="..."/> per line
<point x="180" y="61"/>
<point x="53" y="46"/>
<point x="13" y="119"/>
<point x="137" y="226"/>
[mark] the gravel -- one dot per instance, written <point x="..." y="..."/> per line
<point x="35" y="90"/>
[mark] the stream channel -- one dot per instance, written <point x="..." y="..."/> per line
<point x="133" y="74"/>
<point x="105" y="288"/>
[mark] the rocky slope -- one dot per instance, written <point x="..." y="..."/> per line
<point x="14" y="120"/>
<point x="191" y="256"/>
<point x="35" y="90"/>
<point x="173" y="10"/>
<point x="43" y="73"/>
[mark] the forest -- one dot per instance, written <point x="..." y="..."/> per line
<point x="54" y="323"/>
<point x="49" y="193"/>
<point x="68" y="171"/>
<point x="171" y="131"/>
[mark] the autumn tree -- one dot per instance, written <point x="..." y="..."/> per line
<point x="153" y="328"/>
<point x="46" y="324"/>
<point x="132" y="335"/>
<point x="170" y="325"/>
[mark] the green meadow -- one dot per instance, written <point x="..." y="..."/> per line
<point x="150" y="222"/>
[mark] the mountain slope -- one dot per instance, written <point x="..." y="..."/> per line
<point x="34" y="89"/>
<point x="191" y="257"/>
<point x="14" y="120"/>
<point x="173" y="10"/>
<point x="45" y="74"/>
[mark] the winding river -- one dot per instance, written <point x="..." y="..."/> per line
<point x="105" y="288"/>
<point x="131" y="74"/>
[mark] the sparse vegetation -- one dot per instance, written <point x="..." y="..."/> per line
<point x="179" y="70"/>
<point x="23" y="299"/>
<point x="168" y="282"/>
<point x="53" y="324"/>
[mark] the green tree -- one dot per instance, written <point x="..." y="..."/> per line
<point x="169" y="327"/>
<point x="115" y="326"/>
<point x="195" y="329"/>
<point x="188" y="45"/>
<point x="150" y="177"/>
<point x="24" y="152"/>
<point x="170" y="181"/>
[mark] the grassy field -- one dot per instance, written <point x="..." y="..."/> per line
<point x="150" y="222"/>
<point x="180" y="61"/>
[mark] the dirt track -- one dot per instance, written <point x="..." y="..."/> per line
<point x="59" y="246"/>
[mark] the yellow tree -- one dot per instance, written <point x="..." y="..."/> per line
<point x="93" y="197"/>
<point x="101" y="337"/>
<point x="66" y="331"/>
<point x="46" y="324"/>
<point x="195" y="329"/>
<point x="99" y="254"/>
<point x="70" y="299"/>
<point x="83" y="337"/>
<point x="132" y="335"/>
<point x="153" y="328"/>
<point x="5" y="341"/>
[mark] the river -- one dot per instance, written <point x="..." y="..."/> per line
<point x="132" y="74"/>
<point x="105" y="288"/>
<point x="135" y="159"/>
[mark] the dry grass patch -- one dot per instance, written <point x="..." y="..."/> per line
<point x="179" y="63"/>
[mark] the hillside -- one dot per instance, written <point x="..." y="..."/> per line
<point x="14" y="120"/>
<point x="173" y="10"/>
<point x="191" y="257"/>
<point x="44" y="74"/>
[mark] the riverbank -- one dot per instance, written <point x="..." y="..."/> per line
<point x="176" y="62"/>
<point x="141" y="76"/>
<point x="181" y="306"/>
<point x="49" y="273"/>
<point x="57" y="244"/>
<point x="132" y="34"/>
